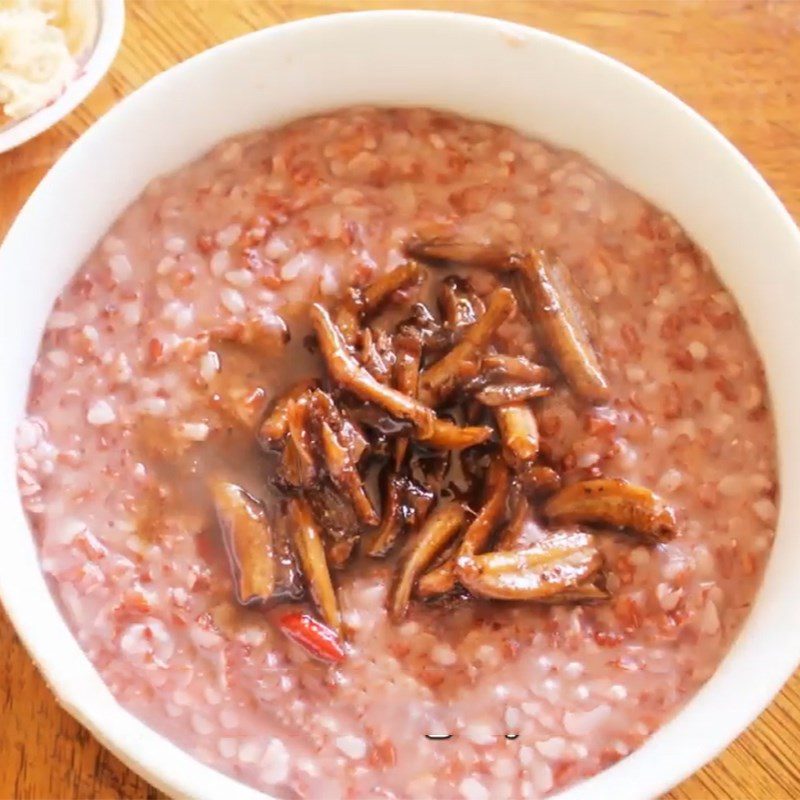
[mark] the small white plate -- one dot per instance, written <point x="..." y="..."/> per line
<point x="111" y="24"/>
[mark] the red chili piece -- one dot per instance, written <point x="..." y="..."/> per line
<point x="316" y="639"/>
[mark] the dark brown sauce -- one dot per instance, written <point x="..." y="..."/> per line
<point x="232" y="452"/>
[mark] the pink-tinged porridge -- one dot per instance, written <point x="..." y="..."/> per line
<point x="194" y="315"/>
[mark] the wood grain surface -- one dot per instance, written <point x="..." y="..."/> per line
<point x="736" y="61"/>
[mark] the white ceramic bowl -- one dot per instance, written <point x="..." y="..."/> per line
<point x="111" y="23"/>
<point x="533" y="81"/>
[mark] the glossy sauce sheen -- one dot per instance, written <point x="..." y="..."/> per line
<point x="122" y="405"/>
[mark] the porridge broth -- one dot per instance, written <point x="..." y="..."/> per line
<point x="127" y="419"/>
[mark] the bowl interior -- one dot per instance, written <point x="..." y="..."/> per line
<point x="535" y="82"/>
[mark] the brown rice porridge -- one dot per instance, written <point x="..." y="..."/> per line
<point x="127" y="416"/>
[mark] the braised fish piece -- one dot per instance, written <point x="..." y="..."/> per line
<point x="248" y="539"/>
<point x="349" y="374"/>
<point x="519" y="433"/>
<point x="450" y="250"/>
<point x="549" y="568"/>
<point x="548" y="299"/>
<point x="441" y="527"/>
<point x="503" y="394"/>
<point x="438" y="380"/>
<point x="442" y="578"/>
<point x="615" y="504"/>
<point x="308" y="543"/>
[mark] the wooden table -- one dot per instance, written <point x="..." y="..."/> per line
<point x="735" y="61"/>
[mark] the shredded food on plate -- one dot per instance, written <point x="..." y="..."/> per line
<point x="41" y="46"/>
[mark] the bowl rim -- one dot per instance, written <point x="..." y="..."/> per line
<point x="111" y="15"/>
<point x="152" y="759"/>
